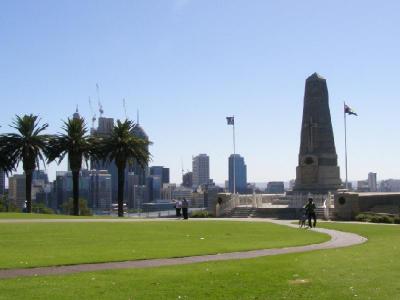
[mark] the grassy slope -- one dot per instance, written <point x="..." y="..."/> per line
<point x="368" y="271"/>
<point x="44" y="244"/>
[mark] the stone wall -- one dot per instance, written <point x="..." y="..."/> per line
<point x="348" y="205"/>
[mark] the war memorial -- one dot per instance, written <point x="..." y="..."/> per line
<point x="317" y="174"/>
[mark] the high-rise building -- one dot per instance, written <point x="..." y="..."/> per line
<point x="105" y="127"/>
<point x="187" y="180"/>
<point x="236" y="162"/>
<point x="2" y="183"/>
<point x="160" y="171"/>
<point x="16" y="190"/>
<point x="59" y="190"/>
<point x="40" y="175"/>
<point x="372" y="183"/>
<point x="141" y="171"/>
<point x="157" y="186"/>
<point x="40" y="189"/>
<point x="136" y="193"/>
<point x="103" y="130"/>
<point x="153" y="188"/>
<point x="201" y="170"/>
<point x="165" y="175"/>
<point x="100" y="190"/>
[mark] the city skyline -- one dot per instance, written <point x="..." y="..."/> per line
<point x="186" y="65"/>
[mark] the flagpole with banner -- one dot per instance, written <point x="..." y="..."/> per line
<point x="231" y="121"/>
<point x="345" y="142"/>
<point x="346" y="111"/>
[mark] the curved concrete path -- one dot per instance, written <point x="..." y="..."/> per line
<point x="338" y="240"/>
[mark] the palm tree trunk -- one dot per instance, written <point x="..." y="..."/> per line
<point x="75" y="187"/>
<point x="28" y="191"/>
<point x="121" y="181"/>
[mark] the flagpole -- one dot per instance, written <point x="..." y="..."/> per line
<point x="345" y="141"/>
<point x="234" y="157"/>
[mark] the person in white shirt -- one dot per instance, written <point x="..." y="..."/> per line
<point x="178" y="207"/>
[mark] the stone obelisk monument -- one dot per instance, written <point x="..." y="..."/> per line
<point x="318" y="171"/>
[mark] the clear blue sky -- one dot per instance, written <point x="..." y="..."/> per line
<point x="187" y="64"/>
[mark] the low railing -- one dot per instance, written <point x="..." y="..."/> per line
<point x="254" y="200"/>
<point x="324" y="201"/>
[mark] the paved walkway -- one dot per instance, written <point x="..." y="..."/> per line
<point x="338" y="240"/>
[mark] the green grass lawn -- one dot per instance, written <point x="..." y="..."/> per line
<point x="367" y="271"/>
<point x="43" y="216"/>
<point x="43" y="244"/>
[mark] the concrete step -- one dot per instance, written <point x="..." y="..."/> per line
<point x="243" y="212"/>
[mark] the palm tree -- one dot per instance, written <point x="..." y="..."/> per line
<point x="123" y="147"/>
<point x="77" y="145"/>
<point x="27" y="145"/>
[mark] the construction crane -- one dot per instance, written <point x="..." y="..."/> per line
<point x="93" y="113"/>
<point x="183" y="171"/>
<point x="124" y="104"/>
<point x="101" y="111"/>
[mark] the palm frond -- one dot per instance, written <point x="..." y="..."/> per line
<point x="73" y="142"/>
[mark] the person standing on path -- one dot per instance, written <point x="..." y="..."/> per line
<point x="178" y="207"/>
<point x="310" y="210"/>
<point x="185" y="208"/>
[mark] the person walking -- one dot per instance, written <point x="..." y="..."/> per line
<point x="310" y="210"/>
<point x="178" y="208"/>
<point x="185" y="208"/>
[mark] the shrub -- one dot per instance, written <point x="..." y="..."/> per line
<point x="200" y="214"/>
<point x="363" y="218"/>
<point x="381" y="219"/>
<point x="377" y="218"/>
<point x="40" y="208"/>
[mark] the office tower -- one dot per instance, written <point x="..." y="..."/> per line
<point x="153" y="188"/>
<point x="141" y="171"/>
<point x="100" y="190"/>
<point x="236" y="162"/>
<point x="160" y="171"/>
<point x="135" y="193"/>
<point x="187" y="180"/>
<point x="165" y="175"/>
<point x="201" y="170"/>
<point x="16" y="190"/>
<point x="372" y="183"/>
<point x="40" y="175"/>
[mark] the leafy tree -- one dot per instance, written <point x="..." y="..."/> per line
<point x="28" y="146"/>
<point x="68" y="207"/>
<point x="123" y="147"/>
<point x="77" y="145"/>
<point x="6" y="205"/>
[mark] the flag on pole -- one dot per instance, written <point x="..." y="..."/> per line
<point x="349" y="111"/>
<point x="230" y="120"/>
